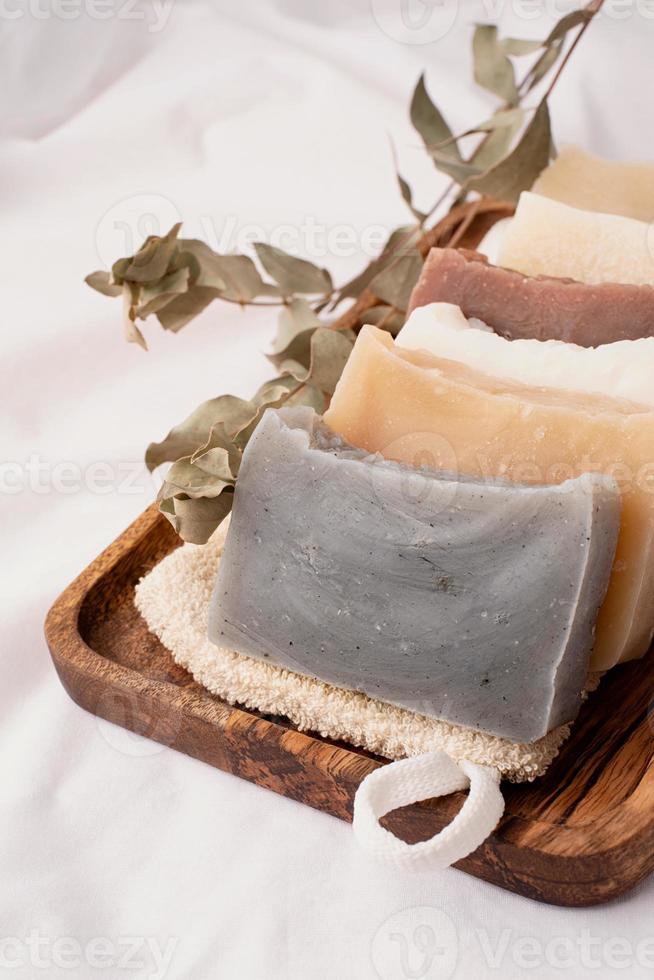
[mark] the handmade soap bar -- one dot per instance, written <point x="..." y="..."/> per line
<point x="544" y="308"/>
<point x="621" y="370"/>
<point x="592" y="184"/>
<point x="416" y="408"/>
<point x="469" y="601"/>
<point x="552" y="239"/>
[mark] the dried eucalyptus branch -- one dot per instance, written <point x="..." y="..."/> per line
<point x="175" y="279"/>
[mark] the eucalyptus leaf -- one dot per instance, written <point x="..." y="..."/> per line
<point x="399" y="240"/>
<point x="394" y="284"/>
<point x="193" y="480"/>
<point x="293" y="275"/>
<point x="118" y="270"/>
<point x="132" y="333"/>
<point x="518" y="171"/>
<point x="407" y="197"/>
<point x="219" y="456"/>
<point x="102" y="282"/>
<point x="502" y="119"/>
<point x="460" y="172"/>
<point x="152" y="259"/>
<point x="517" y="47"/>
<point x="493" y="69"/>
<point x="498" y="142"/>
<point x="294" y="319"/>
<point x="576" y="18"/>
<point x="385" y="317"/>
<point x="238" y="273"/>
<point x="330" y="350"/>
<point x="545" y="63"/>
<point x="193" y="433"/>
<point x="195" y="520"/>
<point x="155" y="296"/>
<point x="271" y="390"/>
<point x="184" y="308"/>
<point x="430" y="123"/>
<point x="309" y="395"/>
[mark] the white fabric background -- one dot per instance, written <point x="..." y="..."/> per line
<point x="275" y="113"/>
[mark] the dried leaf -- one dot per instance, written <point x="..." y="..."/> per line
<point x="385" y="317"/>
<point x="398" y="241"/>
<point x="219" y="456"/>
<point x="493" y="69"/>
<point x="118" y="270"/>
<point x="544" y="64"/>
<point x="291" y="274"/>
<point x="517" y="47"/>
<point x="309" y="395"/>
<point x="460" y="172"/>
<point x="195" y="520"/>
<point x="102" y="282"/>
<point x="574" y="19"/>
<point x="238" y="274"/>
<point x="132" y="333"/>
<point x="330" y="350"/>
<point x="394" y="284"/>
<point x="193" y="433"/>
<point x="407" y="196"/>
<point x="155" y="296"/>
<point x="297" y="323"/>
<point x="518" y="171"/>
<point x="502" y="119"/>
<point x="152" y="259"/>
<point x="193" y="480"/>
<point x="177" y="313"/>
<point x="498" y="142"/>
<point x="294" y="320"/>
<point x="430" y="123"/>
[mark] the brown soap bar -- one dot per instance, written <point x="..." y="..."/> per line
<point x="542" y="308"/>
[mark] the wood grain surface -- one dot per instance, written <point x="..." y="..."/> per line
<point x="580" y="835"/>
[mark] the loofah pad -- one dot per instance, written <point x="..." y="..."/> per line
<point x="174" y="601"/>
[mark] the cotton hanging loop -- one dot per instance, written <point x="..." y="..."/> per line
<point x="420" y="778"/>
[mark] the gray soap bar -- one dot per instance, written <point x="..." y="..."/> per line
<point x="469" y="601"/>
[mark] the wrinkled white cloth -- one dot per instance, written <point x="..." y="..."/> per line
<point x="115" y="851"/>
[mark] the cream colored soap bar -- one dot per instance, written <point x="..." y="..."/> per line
<point x="624" y="369"/>
<point x="413" y="407"/>
<point x="547" y="238"/>
<point x="592" y="184"/>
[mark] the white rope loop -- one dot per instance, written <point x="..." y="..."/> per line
<point x="420" y="778"/>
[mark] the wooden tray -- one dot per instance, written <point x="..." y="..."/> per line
<point x="581" y="835"/>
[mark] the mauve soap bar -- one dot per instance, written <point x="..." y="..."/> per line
<point x="474" y="602"/>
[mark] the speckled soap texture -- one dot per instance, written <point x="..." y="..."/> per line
<point x="469" y="601"/>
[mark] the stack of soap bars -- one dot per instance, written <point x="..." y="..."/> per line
<point x="470" y="527"/>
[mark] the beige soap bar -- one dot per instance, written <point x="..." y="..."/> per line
<point x="592" y="184"/>
<point x="547" y="238"/>
<point x="419" y="409"/>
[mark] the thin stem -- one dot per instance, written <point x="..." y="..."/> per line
<point x="593" y="7"/>
<point x="325" y="297"/>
